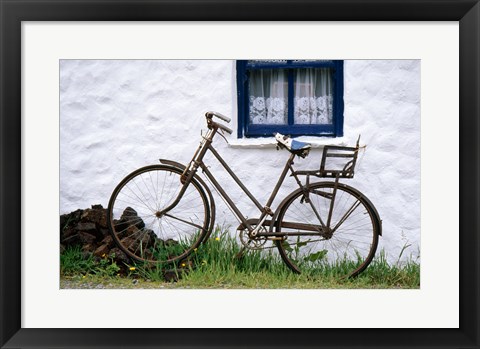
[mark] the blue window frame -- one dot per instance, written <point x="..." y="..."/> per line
<point x="294" y="97"/>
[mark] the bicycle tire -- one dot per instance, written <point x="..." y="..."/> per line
<point x="138" y="224"/>
<point x="351" y="246"/>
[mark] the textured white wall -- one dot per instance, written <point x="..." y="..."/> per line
<point x="116" y="116"/>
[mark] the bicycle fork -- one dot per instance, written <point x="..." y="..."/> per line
<point x="191" y="169"/>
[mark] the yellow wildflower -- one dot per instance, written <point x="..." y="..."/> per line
<point x="217" y="238"/>
<point x="132" y="268"/>
<point x="183" y="264"/>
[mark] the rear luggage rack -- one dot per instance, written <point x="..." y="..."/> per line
<point x="337" y="161"/>
<point x="333" y="152"/>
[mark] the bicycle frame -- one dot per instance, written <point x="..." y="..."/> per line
<point x="265" y="211"/>
<point x="136" y="211"/>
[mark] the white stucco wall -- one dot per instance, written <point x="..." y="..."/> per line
<point x="116" y="116"/>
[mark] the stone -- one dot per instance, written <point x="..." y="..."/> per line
<point x="97" y="216"/>
<point x="138" y="238"/>
<point x="108" y="240"/>
<point x="119" y="226"/>
<point x="120" y="257"/>
<point x="150" y="237"/>
<point x="84" y="228"/>
<point x="88" y="249"/>
<point x="70" y="219"/>
<point x="63" y="221"/>
<point x="171" y="275"/>
<point x="89" y="227"/>
<point x="129" y="212"/>
<point x="86" y="238"/>
<point x="129" y="215"/>
<point x="105" y="232"/>
<point x="102" y="250"/>
<point x="127" y="224"/>
<point x="132" y="231"/>
<point x="69" y="237"/>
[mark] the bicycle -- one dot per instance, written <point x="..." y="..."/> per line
<point x="161" y="213"/>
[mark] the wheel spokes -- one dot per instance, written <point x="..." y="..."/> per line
<point x="140" y="227"/>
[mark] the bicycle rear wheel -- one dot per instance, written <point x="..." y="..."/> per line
<point x="142" y="228"/>
<point x="345" y="249"/>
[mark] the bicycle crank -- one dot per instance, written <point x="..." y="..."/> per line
<point x="253" y="243"/>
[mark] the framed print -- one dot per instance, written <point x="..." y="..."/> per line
<point x="35" y="313"/>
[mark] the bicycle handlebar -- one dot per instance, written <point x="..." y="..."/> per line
<point x="225" y="128"/>
<point x="209" y="115"/>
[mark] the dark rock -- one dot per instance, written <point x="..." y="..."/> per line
<point x="63" y="221"/>
<point x="128" y="223"/>
<point x="151" y="237"/>
<point x="76" y="215"/>
<point x="171" y="275"/>
<point x="88" y="227"/>
<point x="67" y="232"/>
<point x="86" y="238"/>
<point x="69" y="237"/>
<point x="130" y="216"/>
<point x="70" y="219"/>
<point x="108" y="240"/>
<point x="97" y="216"/>
<point x="119" y="226"/>
<point x="104" y="232"/>
<point x="102" y="250"/>
<point x="119" y="256"/>
<point x="139" y="238"/>
<point x="88" y="249"/>
<point x="129" y="212"/>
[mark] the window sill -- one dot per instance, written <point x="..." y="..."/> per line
<point x="269" y="142"/>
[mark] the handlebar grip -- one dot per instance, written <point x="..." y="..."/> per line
<point x="218" y="115"/>
<point x="225" y="128"/>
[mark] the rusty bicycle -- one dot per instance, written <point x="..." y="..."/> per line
<point x="161" y="213"/>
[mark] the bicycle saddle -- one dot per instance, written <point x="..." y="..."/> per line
<point x="296" y="147"/>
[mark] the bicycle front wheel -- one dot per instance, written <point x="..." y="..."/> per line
<point x="139" y="223"/>
<point x="342" y="245"/>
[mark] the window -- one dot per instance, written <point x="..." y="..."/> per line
<point x="295" y="97"/>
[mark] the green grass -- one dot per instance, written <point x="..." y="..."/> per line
<point x="74" y="262"/>
<point x="216" y="264"/>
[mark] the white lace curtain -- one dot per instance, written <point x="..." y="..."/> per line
<point x="268" y="96"/>
<point x="312" y="96"/>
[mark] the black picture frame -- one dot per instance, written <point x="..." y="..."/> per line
<point x="13" y="12"/>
